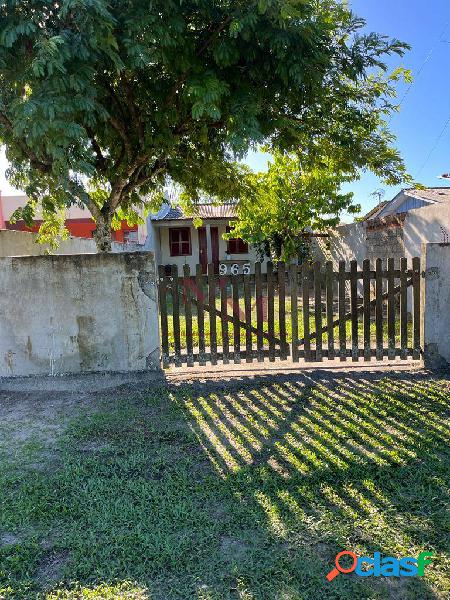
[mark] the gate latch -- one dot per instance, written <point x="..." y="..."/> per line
<point x="431" y="274"/>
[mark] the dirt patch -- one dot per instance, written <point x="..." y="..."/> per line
<point x="51" y="567"/>
<point x="8" y="539"/>
<point x="233" y="549"/>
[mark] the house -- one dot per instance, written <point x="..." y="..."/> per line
<point x="176" y="241"/>
<point x="410" y="199"/>
<point x="78" y="221"/>
<point x="395" y="229"/>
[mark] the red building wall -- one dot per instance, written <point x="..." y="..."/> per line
<point x="82" y="228"/>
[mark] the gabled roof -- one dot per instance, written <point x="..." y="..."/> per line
<point x="373" y="213"/>
<point x="435" y="194"/>
<point x="413" y="198"/>
<point x="204" y="211"/>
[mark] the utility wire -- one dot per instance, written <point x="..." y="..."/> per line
<point x="436" y="144"/>
<point x="408" y="89"/>
<point x="422" y="66"/>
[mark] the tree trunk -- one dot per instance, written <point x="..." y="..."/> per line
<point x="102" y="234"/>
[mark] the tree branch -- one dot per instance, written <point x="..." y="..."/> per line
<point x="78" y="191"/>
<point x="101" y="160"/>
<point x="130" y="99"/>
<point x="215" y="33"/>
<point x="123" y="134"/>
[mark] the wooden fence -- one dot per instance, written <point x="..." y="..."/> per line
<point x="310" y="312"/>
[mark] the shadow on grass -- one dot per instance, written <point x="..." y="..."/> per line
<point x="246" y="489"/>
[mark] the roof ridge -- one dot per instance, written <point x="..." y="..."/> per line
<point x="438" y="187"/>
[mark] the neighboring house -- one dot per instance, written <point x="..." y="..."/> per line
<point x="394" y="229"/>
<point x="78" y="221"/>
<point x="411" y="199"/>
<point x="176" y="241"/>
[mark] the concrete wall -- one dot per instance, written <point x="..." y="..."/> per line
<point x="346" y="242"/>
<point x="436" y="303"/>
<point x="11" y="203"/>
<point x="385" y="242"/>
<point x="23" y="243"/>
<point x="71" y="314"/>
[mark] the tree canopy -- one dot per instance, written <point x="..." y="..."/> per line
<point x="103" y="101"/>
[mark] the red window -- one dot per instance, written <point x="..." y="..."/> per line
<point x="236" y="245"/>
<point x="180" y="241"/>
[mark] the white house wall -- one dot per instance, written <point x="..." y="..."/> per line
<point x="426" y="225"/>
<point x="162" y="242"/>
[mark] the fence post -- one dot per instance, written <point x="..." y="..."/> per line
<point x="435" y="323"/>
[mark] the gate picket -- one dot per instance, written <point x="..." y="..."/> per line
<point x="294" y="311"/>
<point x="162" y="287"/>
<point x="248" y="321"/>
<point x="391" y="309"/>
<point x="259" y="313"/>
<point x="329" y="301"/>
<point x="188" y="314"/>
<point x="416" y="307"/>
<point x="342" y="323"/>
<point x="404" y="308"/>
<point x="236" y="328"/>
<point x="200" y="315"/>
<point x="282" y="309"/>
<point x="176" y="315"/>
<point x="212" y="313"/>
<point x="379" y="308"/>
<point x="223" y="319"/>
<point x="366" y="304"/>
<point x="305" y="293"/>
<point x="271" y="311"/>
<point x="354" y="308"/>
<point x="318" y="309"/>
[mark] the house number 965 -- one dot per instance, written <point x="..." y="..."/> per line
<point x="234" y="269"/>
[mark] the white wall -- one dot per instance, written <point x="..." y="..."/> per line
<point x="435" y="306"/>
<point x="23" y="243"/>
<point x="424" y="225"/>
<point x="71" y="314"/>
<point x="353" y="242"/>
<point x="11" y="203"/>
<point x="160" y="242"/>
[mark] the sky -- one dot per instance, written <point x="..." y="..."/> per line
<point x="423" y="125"/>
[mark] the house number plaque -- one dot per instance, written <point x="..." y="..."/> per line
<point x="234" y="269"/>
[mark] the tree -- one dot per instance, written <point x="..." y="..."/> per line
<point x="340" y="138"/>
<point x="103" y="101"/>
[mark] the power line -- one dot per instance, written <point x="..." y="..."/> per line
<point x="436" y="144"/>
<point x="422" y="66"/>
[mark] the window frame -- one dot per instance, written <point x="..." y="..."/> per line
<point x="179" y="242"/>
<point x="236" y="245"/>
<point x="128" y="234"/>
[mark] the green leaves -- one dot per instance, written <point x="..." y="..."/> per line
<point x="290" y="200"/>
<point x="207" y="92"/>
<point x="135" y="94"/>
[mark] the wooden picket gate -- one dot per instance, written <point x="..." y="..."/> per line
<point x="290" y="311"/>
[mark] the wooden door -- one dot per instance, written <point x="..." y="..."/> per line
<point x="215" y="248"/>
<point x="202" y="249"/>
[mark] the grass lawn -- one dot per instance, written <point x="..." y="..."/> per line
<point x="240" y="490"/>
<point x="312" y="326"/>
